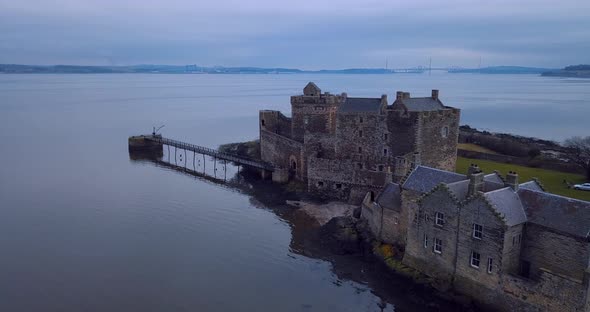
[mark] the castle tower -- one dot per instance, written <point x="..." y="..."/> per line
<point x="313" y="112"/>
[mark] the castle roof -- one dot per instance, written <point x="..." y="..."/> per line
<point x="561" y="213"/>
<point x="357" y="105"/>
<point x="423" y="179"/>
<point x="507" y="203"/>
<point x="390" y="197"/>
<point x="420" y="104"/>
<point x="532" y="185"/>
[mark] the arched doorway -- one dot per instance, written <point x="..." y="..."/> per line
<point x="292" y="166"/>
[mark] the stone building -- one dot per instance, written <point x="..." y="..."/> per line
<point x="507" y="244"/>
<point x="345" y="146"/>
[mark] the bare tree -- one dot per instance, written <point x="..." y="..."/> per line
<point x="580" y="152"/>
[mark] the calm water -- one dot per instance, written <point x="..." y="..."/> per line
<point x="84" y="228"/>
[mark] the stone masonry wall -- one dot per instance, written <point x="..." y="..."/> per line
<point x="490" y="246"/>
<point x="438" y="138"/>
<point x="421" y="255"/>
<point x="315" y="114"/>
<point x="281" y="151"/>
<point x="275" y="122"/>
<point x="561" y="254"/>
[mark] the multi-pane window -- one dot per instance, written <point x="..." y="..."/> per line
<point x="425" y="240"/>
<point x="439" y="219"/>
<point x="437" y="245"/>
<point x="475" y="258"/>
<point x="490" y="265"/>
<point x="477" y="231"/>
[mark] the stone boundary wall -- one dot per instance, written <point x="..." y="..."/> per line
<point x="563" y="167"/>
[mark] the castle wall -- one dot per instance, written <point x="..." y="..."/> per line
<point x="281" y="152"/>
<point x="275" y="122"/>
<point x="561" y="254"/>
<point x="511" y="252"/>
<point x="361" y="138"/>
<point x="315" y="114"/>
<point x="402" y="130"/>
<point x="437" y="138"/>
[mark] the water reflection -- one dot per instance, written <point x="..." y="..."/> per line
<point x="393" y="292"/>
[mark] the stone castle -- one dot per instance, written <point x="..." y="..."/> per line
<point x="344" y="146"/>
<point x="507" y="244"/>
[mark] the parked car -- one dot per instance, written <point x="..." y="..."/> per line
<point x="583" y="186"/>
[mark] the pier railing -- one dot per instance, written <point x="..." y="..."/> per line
<point x="212" y="152"/>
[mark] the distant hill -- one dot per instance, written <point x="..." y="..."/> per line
<point x="500" y="70"/>
<point x="185" y="69"/>
<point x="575" y="71"/>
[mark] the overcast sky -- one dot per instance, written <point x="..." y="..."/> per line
<point x="308" y="34"/>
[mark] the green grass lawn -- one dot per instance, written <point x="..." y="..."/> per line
<point x="475" y="148"/>
<point x="551" y="180"/>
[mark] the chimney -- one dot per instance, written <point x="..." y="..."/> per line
<point x="476" y="182"/>
<point x="344" y="95"/>
<point x="384" y="99"/>
<point x="406" y="95"/>
<point x="512" y="180"/>
<point x="434" y="94"/>
<point x="399" y="95"/>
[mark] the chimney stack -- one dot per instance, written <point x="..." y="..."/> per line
<point x="406" y="95"/>
<point x="476" y="182"/>
<point x="399" y="95"/>
<point x="512" y="180"/>
<point x="434" y="94"/>
<point x="384" y="98"/>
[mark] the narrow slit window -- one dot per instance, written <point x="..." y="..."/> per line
<point x="490" y="265"/>
<point x="425" y="241"/>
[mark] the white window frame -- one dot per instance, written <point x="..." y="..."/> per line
<point x="437" y="247"/>
<point x="425" y="243"/>
<point x="478" y="258"/>
<point x="475" y="230"/>
<point x="490" y="265"/>
<point x="439" y="217"/>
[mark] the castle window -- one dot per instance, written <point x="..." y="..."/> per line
<point x="444" y="132"/>
<point x="490" y="265"/>
<point x="475" y="257"/>
<point x="415" y="218"/>
<point x="360" y="119"/>
<point x="380" y="168"/>
<point x="439" y="219"/>
<point x="338" y="186"/>
<point x="360" y="165"/>
<point x="385" y="136"/>
<point x="425" y="241"/>
<point x="395" y="220"/>
<point x="306" y="120"/>
<point x="320" y="183"/>
<point x="437" y="246"/>
<point x="360" y="150"/>
<point x="384" y="152"/>
<point x="477" y="231"/>
<point x="360" y="133"/>
<point x="263" y="123"/>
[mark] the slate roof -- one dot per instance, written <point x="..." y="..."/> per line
<point x="357" y="105"/>
<point x="422" y="104"/>
<point x="507" y="203"/>
<point x="390" y="197"/>
<point x="460" y="189"/>
<point x="423" y="179"/>
<point x="531" y="185"/>
<point x="493" y="177"/>
<point x="561" y="213"/>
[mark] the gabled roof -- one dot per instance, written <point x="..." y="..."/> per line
<point x="561" y="213"/>
<point x="507" y="204"/>
<point x="423" y="179"/>
<point x="532" y="185"/>
<point x="390" y="197"/>
<point x="356" y="105"/>
<point x="420" y="104"/>
<point x="459" y="189"/>
<point x="493" y="177"/>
